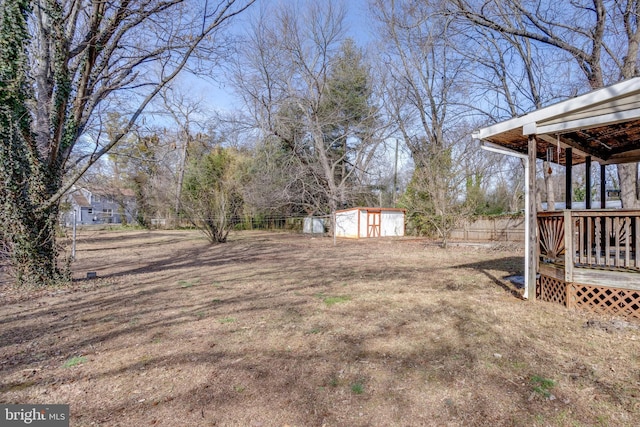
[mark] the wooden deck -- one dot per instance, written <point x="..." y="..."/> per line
<point x="598" y="267"/>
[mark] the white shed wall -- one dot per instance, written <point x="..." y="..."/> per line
<point x="391" y="223"/>
<point x="363" y="222"/>
<point x="347" y="224"/>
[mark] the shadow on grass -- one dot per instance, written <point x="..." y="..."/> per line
<point x="499" y="270"/>
<point x="404" y="342"/>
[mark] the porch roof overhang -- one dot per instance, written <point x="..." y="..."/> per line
<point x="603" y="124"/>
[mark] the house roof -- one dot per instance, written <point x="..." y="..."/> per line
<point x="603" y="124"/>
<point x="80" y="200"/>
<point x="112" y="191"/>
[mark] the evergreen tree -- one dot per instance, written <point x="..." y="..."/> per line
<point x="350" y="117"/>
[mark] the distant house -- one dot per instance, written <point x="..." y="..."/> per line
<point x="370" y="222"/>
<point x="101" y="206"/>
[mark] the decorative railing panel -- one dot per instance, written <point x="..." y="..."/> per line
<point x="551" y="237"/>
<point x="599" y="238"/>
<point x="606" y="239"/>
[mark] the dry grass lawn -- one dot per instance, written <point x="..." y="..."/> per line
<point x="276" y="329"/>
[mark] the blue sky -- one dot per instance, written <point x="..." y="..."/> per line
<point x="218" y="95"/>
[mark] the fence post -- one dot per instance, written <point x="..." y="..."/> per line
<point x="73" y="242"/>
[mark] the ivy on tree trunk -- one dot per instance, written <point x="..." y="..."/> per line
<point x="28" y="232"/>
<point x="60" y="60"/>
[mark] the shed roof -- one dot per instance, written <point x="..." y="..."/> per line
<point x="603" y="124"/>
<point x="372" y="209"/>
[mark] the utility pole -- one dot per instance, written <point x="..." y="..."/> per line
<point x="395" y="177"/>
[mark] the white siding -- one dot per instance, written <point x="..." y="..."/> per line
<point x="391" y="223"/>
<point x="347" y="224"/>
<point x="363" y="222"/>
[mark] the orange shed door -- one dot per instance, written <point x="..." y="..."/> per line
<point x="373" y="224"/>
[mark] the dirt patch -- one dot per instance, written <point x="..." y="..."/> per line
<point x="282" y="329"/>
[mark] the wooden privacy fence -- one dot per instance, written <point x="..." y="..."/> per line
<point x="498" y="229"/>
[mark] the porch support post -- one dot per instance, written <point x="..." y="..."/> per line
<point x="531" y="225"/>
<point x="603" y="189"/>
<point x="569" y="250"/>
<point x="587" y="198"/>
<point x="568" y="161"/>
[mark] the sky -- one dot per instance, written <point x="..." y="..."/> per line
<point x="218" y="95"/>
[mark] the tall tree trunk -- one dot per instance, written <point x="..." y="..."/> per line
<point x="29" y="233"/>
<point x="628" y="176"/>
<point x="33" y="251"/>
<point x="181" y="165"/>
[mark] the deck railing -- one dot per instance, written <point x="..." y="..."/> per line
<point x="602" y="239"/>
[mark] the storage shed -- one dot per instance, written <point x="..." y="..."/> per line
<point x="312" y="225"/>
<point x="370" y="222"/>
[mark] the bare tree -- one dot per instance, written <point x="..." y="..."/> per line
<point x="280" y="183"/>
<point x="185" y="113"/>
<point x="65" y="62"/>
<point x="425" y="99"/>
<point x="510" y="76"/>
<point x="600" y="37"/>
<point x="308" y="90"/>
